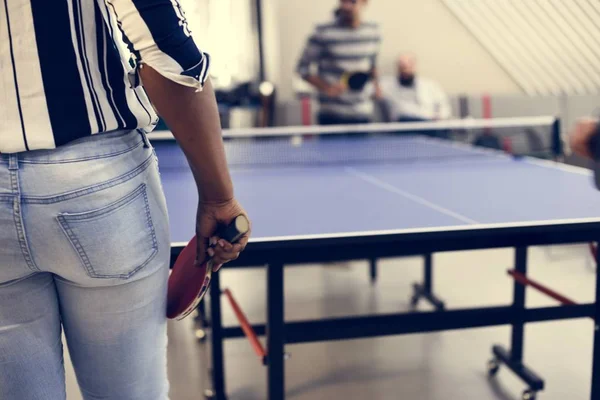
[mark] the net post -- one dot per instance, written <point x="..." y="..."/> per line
<point x="557" y="145"/>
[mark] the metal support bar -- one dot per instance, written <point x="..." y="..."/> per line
<point x="596" y="358"/>
<point x="524" y="280"/>
<point x="518" y="327"/>
<point x="246" y="327"/>
<point x="275" y="332"/>
<point x="398" y="324"/>
<point x="218" y="370"/>
<point x="261" y="41"/>
<point x="201" y="317"/>
<point x="425" y="290"/>
<point x="428" y="260"/>
<point x="513" y="359"/>
<point x="373" y="269"/>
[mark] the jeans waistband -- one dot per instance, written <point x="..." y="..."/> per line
<point x="93" y="147"/>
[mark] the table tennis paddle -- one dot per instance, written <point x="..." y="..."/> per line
<point x="188" y="282"/>
<point x="356" y="80"/>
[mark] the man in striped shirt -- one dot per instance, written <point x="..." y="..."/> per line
<point x="345" y="46"/>
<point x="84" y="235"/>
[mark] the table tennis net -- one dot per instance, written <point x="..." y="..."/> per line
<point x="393" y="143"/>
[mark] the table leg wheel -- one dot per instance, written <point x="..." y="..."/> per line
<point x="493" y="367"/>
<point x="209" y="394"/>
<point x="200" y="335"/>
<point x="529" y="395"/>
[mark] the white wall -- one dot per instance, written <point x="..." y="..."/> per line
<point x="224" y="28"/>
<point x="446" y="51"/>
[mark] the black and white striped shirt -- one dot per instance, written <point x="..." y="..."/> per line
<point x="336" y="49"/>
<point x="69" y="68"/>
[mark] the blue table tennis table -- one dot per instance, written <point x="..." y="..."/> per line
<point x="317" y="200"/>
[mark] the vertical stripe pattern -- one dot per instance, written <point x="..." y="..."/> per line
<point x="67" y="67"/>
<point x="11" y="112"/>
<point x="334" y="50"/>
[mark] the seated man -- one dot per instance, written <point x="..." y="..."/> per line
<point x="346" y="46"/>
<point x="408" y="97"/>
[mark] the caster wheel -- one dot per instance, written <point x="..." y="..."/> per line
<point x="529" y="395"/>
<point x="209" y="394"/>
<point x="493" y="368"/>
<point x="200" y="335"/>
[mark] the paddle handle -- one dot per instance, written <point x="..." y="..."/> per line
<point x="235" y="230"/>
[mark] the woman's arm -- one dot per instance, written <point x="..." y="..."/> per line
<point x="193" y="118"/>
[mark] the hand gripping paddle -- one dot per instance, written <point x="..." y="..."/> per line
<point x="356" y="81"/>
<point x="189" y="282"/>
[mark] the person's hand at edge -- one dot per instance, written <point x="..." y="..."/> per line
<point x="330" y="90"/>
<point x="335" y="90"/>
<point x="209" y="217"/>
<point x="378" y="94"/>
<point x="581" y="135"/>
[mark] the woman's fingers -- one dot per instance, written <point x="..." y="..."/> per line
<point x="225" y="252"/>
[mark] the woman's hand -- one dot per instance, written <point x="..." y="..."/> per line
<point x="209" y="217"/>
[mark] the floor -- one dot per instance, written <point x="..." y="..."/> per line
<point x="439" y="366"/>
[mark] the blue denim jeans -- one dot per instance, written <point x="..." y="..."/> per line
<point x="84" y="248"/>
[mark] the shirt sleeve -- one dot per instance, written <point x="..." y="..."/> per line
<point x="157" y="34"/>
<point x="312" y="53"/>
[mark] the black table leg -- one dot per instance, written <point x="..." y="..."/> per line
<point x="275" y="332"/>
<point x="218" y="371"/>
<point x="518" y="327"/>
<point x="513" y="359"/>
<point x="596" y="361"/>
<point x="201" y="321"/>
<point x="373" y="269"/>
<point x="202" y="314"/>
<point x="425" y="290"/>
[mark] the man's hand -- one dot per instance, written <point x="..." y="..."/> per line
<point x="209" y="217"/>
<point x="378" y="93"/>
<point x="330" y="90"/>
<point x="580" y="136"/>
<point x="335" y="90"/>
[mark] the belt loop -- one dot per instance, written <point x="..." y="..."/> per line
<point x="145" y="138"/>
<point x="13" y="162"/>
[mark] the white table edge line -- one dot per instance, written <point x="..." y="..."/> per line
<point x="410" y="196"/>
<point x="358" y="234"/>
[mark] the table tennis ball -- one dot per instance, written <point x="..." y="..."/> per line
<point x="296" y="141"/>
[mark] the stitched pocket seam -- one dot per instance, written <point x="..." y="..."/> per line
<point x="89" y="190"/>
<point x="88" y="158"/>
<point x="64" y="219"/>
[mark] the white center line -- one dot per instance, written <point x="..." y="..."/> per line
<point x="410" y="196"/>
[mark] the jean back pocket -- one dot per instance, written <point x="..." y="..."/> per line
<point x="115" y="241"/>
